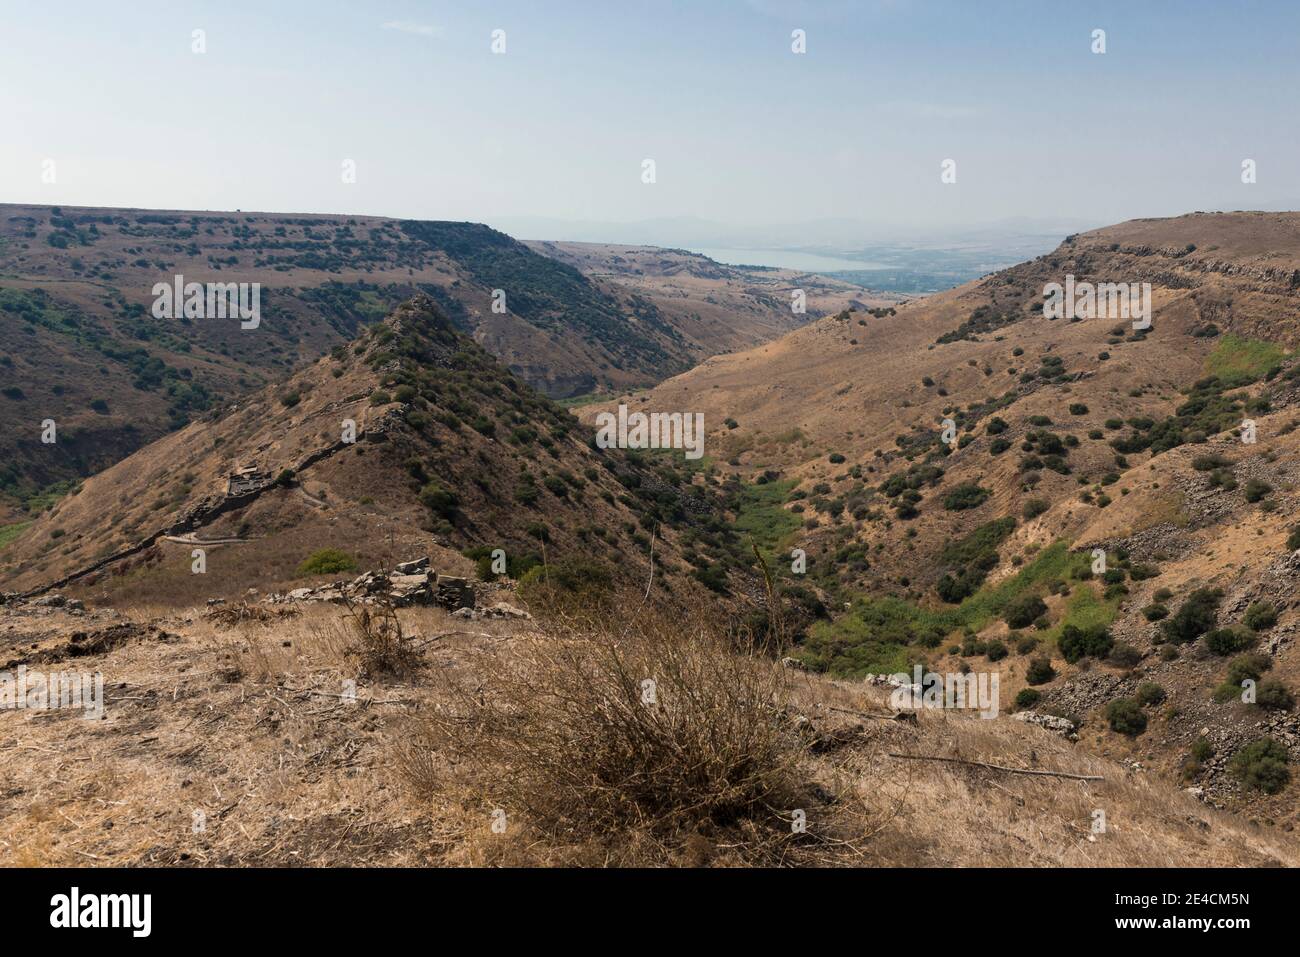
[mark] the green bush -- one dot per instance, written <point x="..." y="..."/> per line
<point x="1124" y="655"/>
<point x="440" y="500"/>
<point x="1248" y="666"/>
<point x="1194" y="618"/>
<point x="1228" y="641"/>
<point x="1260" y="616"/>
<point x="1155" y="612"/>
<point x="1040" y="671"/>
<point x="1149" y="693"/>
<point x="1262" y="766"/>
<point x="1207" y="463"/>
<point x="1256" y="490"/>
<point x="1027" y="698"/>
<point x="1274" y="695"/>
<point x="1126" y="717"/>
<point x="1025" y="644"/>
<point x="1033" y="508"/>
<point x="327" y="561"/>
<point x="964" y="496"/>
<point x="1094" y="641"/>
<point x="574" y="581"/>
<point x="1024" y="611"/>
<point x="712" y="577"/>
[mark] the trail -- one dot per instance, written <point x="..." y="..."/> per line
<point x="185" y="528"/>
<point x="193" y="539"/>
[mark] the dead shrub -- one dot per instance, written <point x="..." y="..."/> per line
<point x="227" y="616"/>
<point x="378" y="642"/>
<point x="627" y="740"/>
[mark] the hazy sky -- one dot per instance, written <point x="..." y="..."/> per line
<point x="741" y="129"/>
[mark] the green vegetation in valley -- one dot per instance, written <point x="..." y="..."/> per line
<point x="877" y="634"/>
<point x="1237" y="361"/>
<point x="577" y="401"/>
<point x="761" y="517"/>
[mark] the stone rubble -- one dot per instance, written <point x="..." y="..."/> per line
<point x="410" y="583"/>
<point x="1062" y="726"/>
<point x="499" y="610"/>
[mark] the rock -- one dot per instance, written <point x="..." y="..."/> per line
<point x="75" y="604"/>
<point x="454" y="592"/>
<point x="793" y="663"/>
<point x="1059" y="725"/>
<point x="415" y="567"/>
<point x="50" y="601"/>
<point x="499" y="610"/>
<point x="410" y="589"/>
<point x="300" y="594"/>
<point x="214" y="602"/>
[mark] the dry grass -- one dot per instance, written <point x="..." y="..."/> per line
<point x="378" y="642"/>
<point x="248" y="724"/>
<point x="230" y="615"/>
<point x="651" y="743"/>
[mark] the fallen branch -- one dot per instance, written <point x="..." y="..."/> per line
<point x="878" y="715"/>
<point x="998" y="767"/>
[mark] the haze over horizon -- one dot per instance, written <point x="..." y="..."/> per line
<point x="744" y="132"/>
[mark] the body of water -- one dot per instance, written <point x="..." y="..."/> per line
<point x="786" y="259"/>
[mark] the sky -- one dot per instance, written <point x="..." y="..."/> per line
<point x="111" y="102"/>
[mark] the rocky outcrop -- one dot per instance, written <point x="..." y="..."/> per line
<point x="1062" y="726"/>
<point x="409" y="583"/>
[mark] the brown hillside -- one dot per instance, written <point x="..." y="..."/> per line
<point x="81" y="346"/>
<point x="450" y="449"/>
<point x="1086" y="433"/>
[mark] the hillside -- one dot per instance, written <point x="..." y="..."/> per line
<point x="1120" y="685"/>
<point x="82" y="347"/>
<point x="719" y="308"/>
<point x="1068" y="436"/>
<point x="449" y="452"/>
<point x="229" y="744"/>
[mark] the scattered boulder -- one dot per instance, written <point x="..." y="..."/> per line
<point x="499" y="610"/>
<point x="1062" y="726"/>
<point x="454" y="592"/>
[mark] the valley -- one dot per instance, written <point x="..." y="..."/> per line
<point x="1100" y="512"/>
<point x="82" y="346"/>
